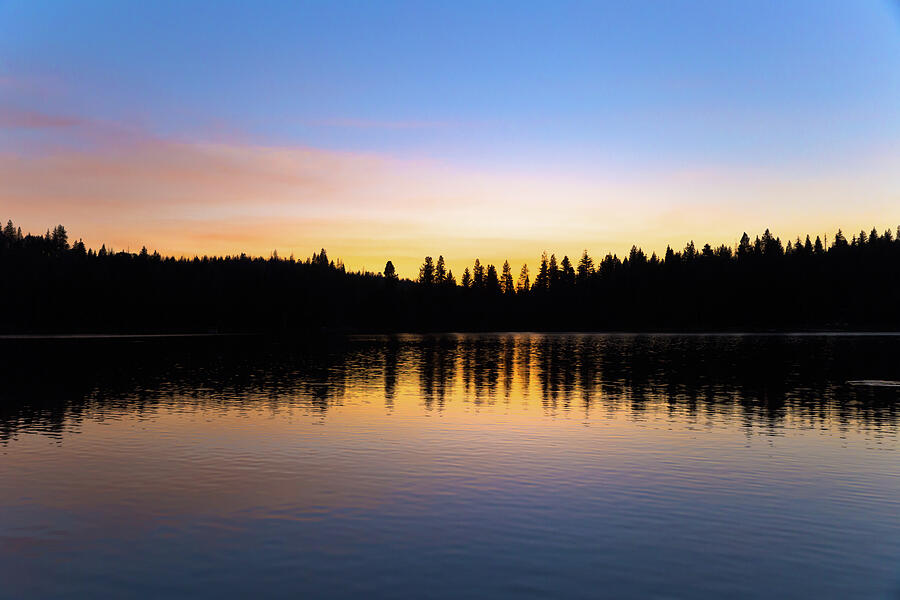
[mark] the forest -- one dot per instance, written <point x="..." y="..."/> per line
<point x="51" y="286"/>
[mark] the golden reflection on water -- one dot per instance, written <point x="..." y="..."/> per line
<point x="696" y="450"/>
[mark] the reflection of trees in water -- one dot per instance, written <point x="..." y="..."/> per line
<point x="437" y="369"/>
<point x="756" y="381"/>
<point x="508" y="360"/>
<point x="391" y="358"/>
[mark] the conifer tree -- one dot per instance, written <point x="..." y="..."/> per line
<point x="426" y="272"/>
<point x="506" y="280"/>
<point x="585" y="268"/>
<point x="839" y="240"/>
<point x="491" y="281"/>
<point x="478" y="275"/>
<point x="567" y="272"/>
<point x="542" y="281"/>
<point x="523" y="285"/>
<point x="440" y="272"/>
<point x="744" y="249"/>
<point x="553" y="272"/>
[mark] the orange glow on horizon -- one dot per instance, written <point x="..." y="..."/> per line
<point x="128" y="190"/>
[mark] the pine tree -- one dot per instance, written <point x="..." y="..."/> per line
<point x="744" y="249"/>
<point x="553" y="273"/>
<point x="506" y="279"/>
<point x="59" y="238"/>
<point x="322" y="258"/>
<point x="690" y="252"/>
<point x="522" y="286"/>
<point x="542" y="281"/>
<point x="637" y="257"/>
<point x="671" y="258"/>
<point x="440" y="272"/>
<point x="426" y="272"/>
<point x="389" y="271"/>
<point x="839" y="240"/>
<point x="491" y="281"/>
<point x="466" y="279"/>
<point x="478" y="275"/>
<point x="567" y="272"/>
<point x="585" y="268"/>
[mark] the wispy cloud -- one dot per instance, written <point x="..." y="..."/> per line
<point x="13" y="118"/>
<point x="120" y="185"/>
<point x="378" y="124"/>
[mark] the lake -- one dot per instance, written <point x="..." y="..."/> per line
<point x="451" y="466"/>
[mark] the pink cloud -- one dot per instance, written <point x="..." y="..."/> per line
<point x="374" y="124"/>
<point x="11" y="118"/>
<point x="111" y="183"/>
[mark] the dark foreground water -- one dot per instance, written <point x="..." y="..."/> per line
<point x="493" y="466"/>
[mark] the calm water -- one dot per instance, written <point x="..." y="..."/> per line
<point x="501" y="466"/>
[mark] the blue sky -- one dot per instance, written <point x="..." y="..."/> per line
<point x="566" y="89"/>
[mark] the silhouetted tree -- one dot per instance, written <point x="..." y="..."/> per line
<point x="478" y="275"/>
<point x="585" y="268"/>
<point x="50" y="286"/>
<point x="567" y="272"/>
<point x="466" y="278"/>
<point x="744" y="249"/>
<point x="506" y="279"/>
<point x="426" y="272"/>
<point x="839" y="240"/>
<point x="542" y="281"/>
<point x="322" y="259"/>
<point x="553" y="273"/>
<point x="522" y="285"/>
<point x="491" y="281"/>
<point x="59" y="238"/>
<point x="440" y="272"/>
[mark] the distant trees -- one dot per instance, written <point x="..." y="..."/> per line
<point x="506" y="279"/>
<point x="478" y="275"/>
<point x="320" y="259"/>
<point x="59" y="239"/>
<point x="52" y="284"/>
<point x="523" y="284"/>
<point x="491" y="280"/>
<point x="466" y="279"/>
<point x="426" y="272"/>
<point x="567" y="273"/>
<point x="440" y="271"/>
<point x="542" y="279"/>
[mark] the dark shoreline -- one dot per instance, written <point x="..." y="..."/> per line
<point x="363" y="333"/>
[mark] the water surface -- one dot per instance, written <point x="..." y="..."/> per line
<point x="503" y="466"/>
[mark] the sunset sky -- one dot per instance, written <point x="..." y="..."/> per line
<point x="492" y="129"/>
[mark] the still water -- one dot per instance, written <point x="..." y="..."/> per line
<point x="458" y="466"/>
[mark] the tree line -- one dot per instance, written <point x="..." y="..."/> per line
<point x="50" y="285"/>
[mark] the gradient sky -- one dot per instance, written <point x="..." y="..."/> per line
<point x="394" y="130"/>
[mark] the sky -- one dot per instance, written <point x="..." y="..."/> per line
<point x="496" y="130"/>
